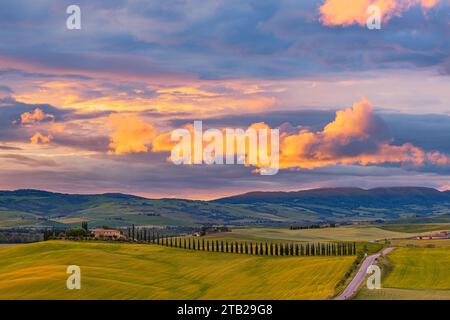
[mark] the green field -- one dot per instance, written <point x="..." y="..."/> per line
<point x="415" y="273"/>
<point x="416" y="228"/>
<point x="403" y="294"/>
<point x="131" y="271"/>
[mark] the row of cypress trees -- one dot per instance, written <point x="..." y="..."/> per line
<point x="251" y="248"/>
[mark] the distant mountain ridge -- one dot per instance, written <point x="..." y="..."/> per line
<point x="408" y="195"/>
<point x="30" y="207"/>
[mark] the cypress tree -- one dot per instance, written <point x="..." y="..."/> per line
<point x="242" y="247"/>
<point x="296" y="249"/>
<point x="281" y="249"/>
<point x="203" y="244"/>
<point x="132" y="229"/>
<point x="246" y="248"/>
<point x="251" y="248"/>
<point x="222" y="248"/>
<point x="276" y="249"/>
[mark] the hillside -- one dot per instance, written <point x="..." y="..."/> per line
<point x="34" y="207"/>
<point x="128" y="271"/>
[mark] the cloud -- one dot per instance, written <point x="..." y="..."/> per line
<point x="130" y="134"/>
<point x="35" y="116"/>
<point x="345" y="13"/>
<point x="39" y="138"/>
<point x="356" y="137"/>
<point x="24" y="160"/>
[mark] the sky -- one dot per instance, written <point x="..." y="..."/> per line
<point x="91" y="110"/>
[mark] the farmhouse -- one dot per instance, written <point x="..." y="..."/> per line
<point x="107" y="233"/>
<point x="440" y="235"/>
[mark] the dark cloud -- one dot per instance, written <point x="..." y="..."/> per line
<point x="220" y="39"/>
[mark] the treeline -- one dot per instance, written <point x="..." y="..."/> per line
<point x="251" y="248"/>
<point x="20" y="237"/>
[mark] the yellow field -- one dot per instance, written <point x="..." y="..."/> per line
<point x="129" y="271"/>
<point x="344" y="233"/>
<point x="71" y="220"/>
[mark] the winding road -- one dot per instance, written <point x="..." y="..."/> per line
<point x="356" y="282"/>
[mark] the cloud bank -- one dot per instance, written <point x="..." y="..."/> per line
<point x="356" y="136"/>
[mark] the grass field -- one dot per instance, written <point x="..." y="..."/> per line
<point x="403" y="294"/>
<point x="344" y="233"/>
<point x="129" y="271"/>
<point x="415" y="273"/>
<point x="421" y="243"/>
<point x="416" y="228"/>
<point x="419" y="268"/>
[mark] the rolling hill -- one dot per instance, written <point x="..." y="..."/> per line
<point x="35" y="207"/>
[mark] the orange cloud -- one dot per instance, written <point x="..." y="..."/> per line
<point x="356" y="136"/>
<point x="35" y="116"/>
<point x="39" y="138"/>
<point x="348" y="12"/>
<point x="130" y="134"/>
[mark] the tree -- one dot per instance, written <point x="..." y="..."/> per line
<point x="76" y="232"/>
<point x="133" y="230"/>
